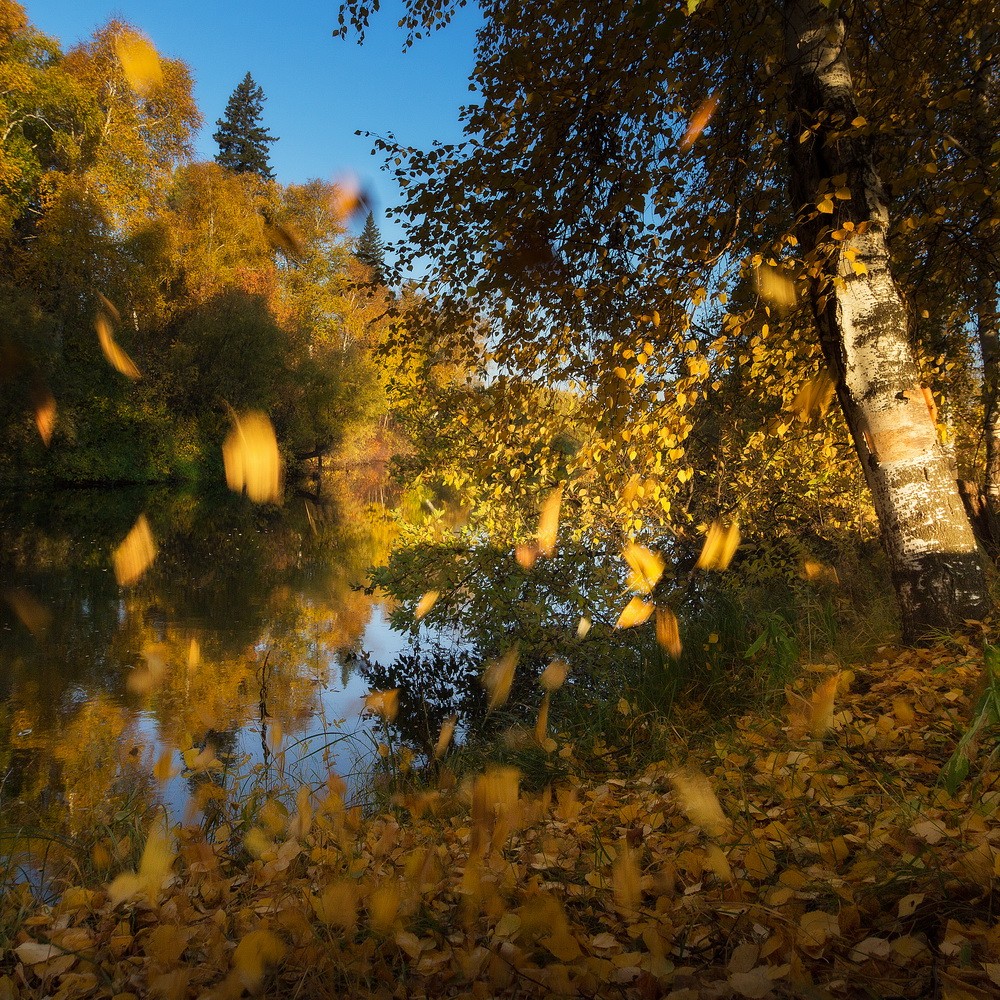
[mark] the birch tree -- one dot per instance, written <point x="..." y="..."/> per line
<point x="626" y="165"/>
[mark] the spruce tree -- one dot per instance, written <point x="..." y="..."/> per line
<point x="370" y="249"/>
<point x="243" y="142"/>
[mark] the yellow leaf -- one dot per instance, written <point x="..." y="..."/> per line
<point x="164" y="769"/>
<point x="645" y="567"/>
<point x="583" y="627"/>
<point x="554" y="675"/>
<point x="825" y="206"/>
<point x="425" y="604"/>
<point x="115" y="356"/>
<point x="251" y="458"/>
<point x="135" y="554"/>
<point x="717" y="863"/>
<point x="668" y="633"/>
<point x="348" y="198"/>
<point x="542" y="723"/>
<point x="548" y="522"/>
<point x="444" y="737"/>
<point x="383" y="906"/>
<point x="720" y="546"/>
<point x="822" y="707"/>
<point x="154" y="866"/>
<point x="775" y="286"/>
<point x="635" y="613"/>
<point x="563" y="945"/>
<point x="498" y="677"/>
<point x="337" y="905"/>
<point x="814" y="398"/>
<point x="194" y="654"/>
<point x="139" y="62"/>
<point x="814" y="930"/>
<point x="383" y="703"/>
<point x="254" y="954"/>
<point x="45" y="416"/>
<point x="698" y="801"/>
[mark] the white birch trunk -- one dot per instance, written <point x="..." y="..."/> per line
<point x="863" y="329"/>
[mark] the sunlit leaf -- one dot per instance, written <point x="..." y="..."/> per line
<point x="35" y="617"/>
<point x="498" y="677"/>
<point x="698" y="801"/>
<point x="818" y="572"/>
<point x="445" y="736"/>
<point x="425" y="604"/>
<point x="45" y="415"/>
<point x="775" y="286"/>
<point x="699" y="121"/>
<point x="194" y="654"/>
<point x="554" y="675"/>
<point x="721" y="543"/>
<point x="668" y="632"/>
<point x="164" y="769"/>
<point x="139" y="62"/>
<point x="255" y="952"/>
<point x="822" y="707"/>
<point x="115" y="356"/>
<point x="337" y="905"/>
<point x="383" y="703"/>
<point x="635" y="613"/>
<point x="135" y="554"/>
<point x="548" y="523"/>
<point x="251" y="458"/>
<point x="645" y="568"/>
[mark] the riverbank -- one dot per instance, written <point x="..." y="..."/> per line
<point x="813" y="853"/>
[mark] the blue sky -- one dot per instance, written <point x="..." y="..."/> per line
<point x="319" y="88"/>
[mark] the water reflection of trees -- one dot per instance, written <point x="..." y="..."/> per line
<point x="179" y="654"/>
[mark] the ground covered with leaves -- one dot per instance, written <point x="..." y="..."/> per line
<point x="816" y="853"/>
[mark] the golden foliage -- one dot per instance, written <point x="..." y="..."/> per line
<point x="135" y="554"/>
<point x="251" y="458"/>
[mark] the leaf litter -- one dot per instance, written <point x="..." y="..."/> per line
<point x="812" y="853"/>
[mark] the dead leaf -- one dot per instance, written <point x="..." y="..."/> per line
<point x="498" y="677"/>
<point x="115" y="356"/>
<point x="251" y="458"/>
<point x="135" y="554"/>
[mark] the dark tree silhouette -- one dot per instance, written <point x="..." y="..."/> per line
<point x="244" y="143"/>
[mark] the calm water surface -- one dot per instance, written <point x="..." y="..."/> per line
<point x="235" y="645"/>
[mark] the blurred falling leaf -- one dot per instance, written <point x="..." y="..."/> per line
<point x="498" y="677"/>
<point x="139" y="62"/>
<point x="164" y="769"/>
<point x="284" y="238"/>
<point x="151" y="672"/>
<point x="542" y="723"/>
<point x="383" y="906"/>
<point x="553" y="676"/>
<point x="583" y="627"/>
<point x="135" y="554"/>
<point x="818" y="572"/>
<point x="526" y="555"/>
<point x="383" y="703"/>
<point x="337" y="905"/>
<point x="814" y="398"/>
<point x="45" y="415"/>
<point x="154" y="866"/>
<point x="699" y="121"/>
<point x="250" y="455"/>
<point x="425" y="604"/>
<point x="646" y="568"/>
<point x="668" y="633"/>
<point x="698" y="801"/>
<point x="812" y="716"/>
<point x="444" y="737"/>
<point x="115" y="356"/>
<point x="720" y="546"/>
<point x="548" y="523"/>
<point x="717" y="863"/>
<point x="194" y="654"/>
<point x="257" y="950"/>
<point x="625" y="878"/>
<point x="35" y="617"/>
<point x="635" y="613"/>
<point x="348" y="199"/>
<point x="774" y="285"/>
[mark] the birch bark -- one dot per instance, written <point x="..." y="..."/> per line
<point x="864" y="331"/>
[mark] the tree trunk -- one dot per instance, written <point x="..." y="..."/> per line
<point x="863" y="328"/>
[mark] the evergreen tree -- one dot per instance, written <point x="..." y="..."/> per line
<point x="370" y="249"/>
<point x="243" y="141"/>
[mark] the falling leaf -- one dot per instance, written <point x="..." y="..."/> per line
<point x="135" y="554"/>
<point x="425" y="604"/>
<point x="255" y="952"/>
<point x="139" y="62"/>
<point x="668" y="632"/>
<point x="821" y="721"/>
<point x="45" y="415"/>
<point x="720" y="546"/>
<point x="498" y="677"/>
<point x="526" y="555"/>
<point x="698" y="801"/>
<point x="635" y="613"/>
<point x="775" y="286"/>
<point x="814" y="398"/>
<point x="35" y="617"/>
<point x="194" y="654"/>
<point x="383" y="906"/>
<point x="699" y="121"/>
<point x="817" y="572"/>
<point x="548" y="523"/>
<point x="717" y="863"/>
<point x="645" y="568"/>
<point x="444" y="737"/>
<point x="582" y="627"/>
<point x="383" y="703"/>
<point x="554" y="675"/>
<point x="284" y="238"/>
<point x="250" y="455"/>
<point x="154" y="866"/>
<point x="348" y="199"/>
<point x="625" y="878"/>
<point x="115" y="356"/>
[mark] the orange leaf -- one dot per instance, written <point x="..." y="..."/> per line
<point x="135" y="554"/>
<point x="635" y="613"/>
<point x="699" y="121"/>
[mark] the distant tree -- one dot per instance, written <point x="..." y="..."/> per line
<point x="370" y="249"/>
<point x="243" y="142"/>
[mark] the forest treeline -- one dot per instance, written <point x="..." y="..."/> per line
<point x="145" y="298"/>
